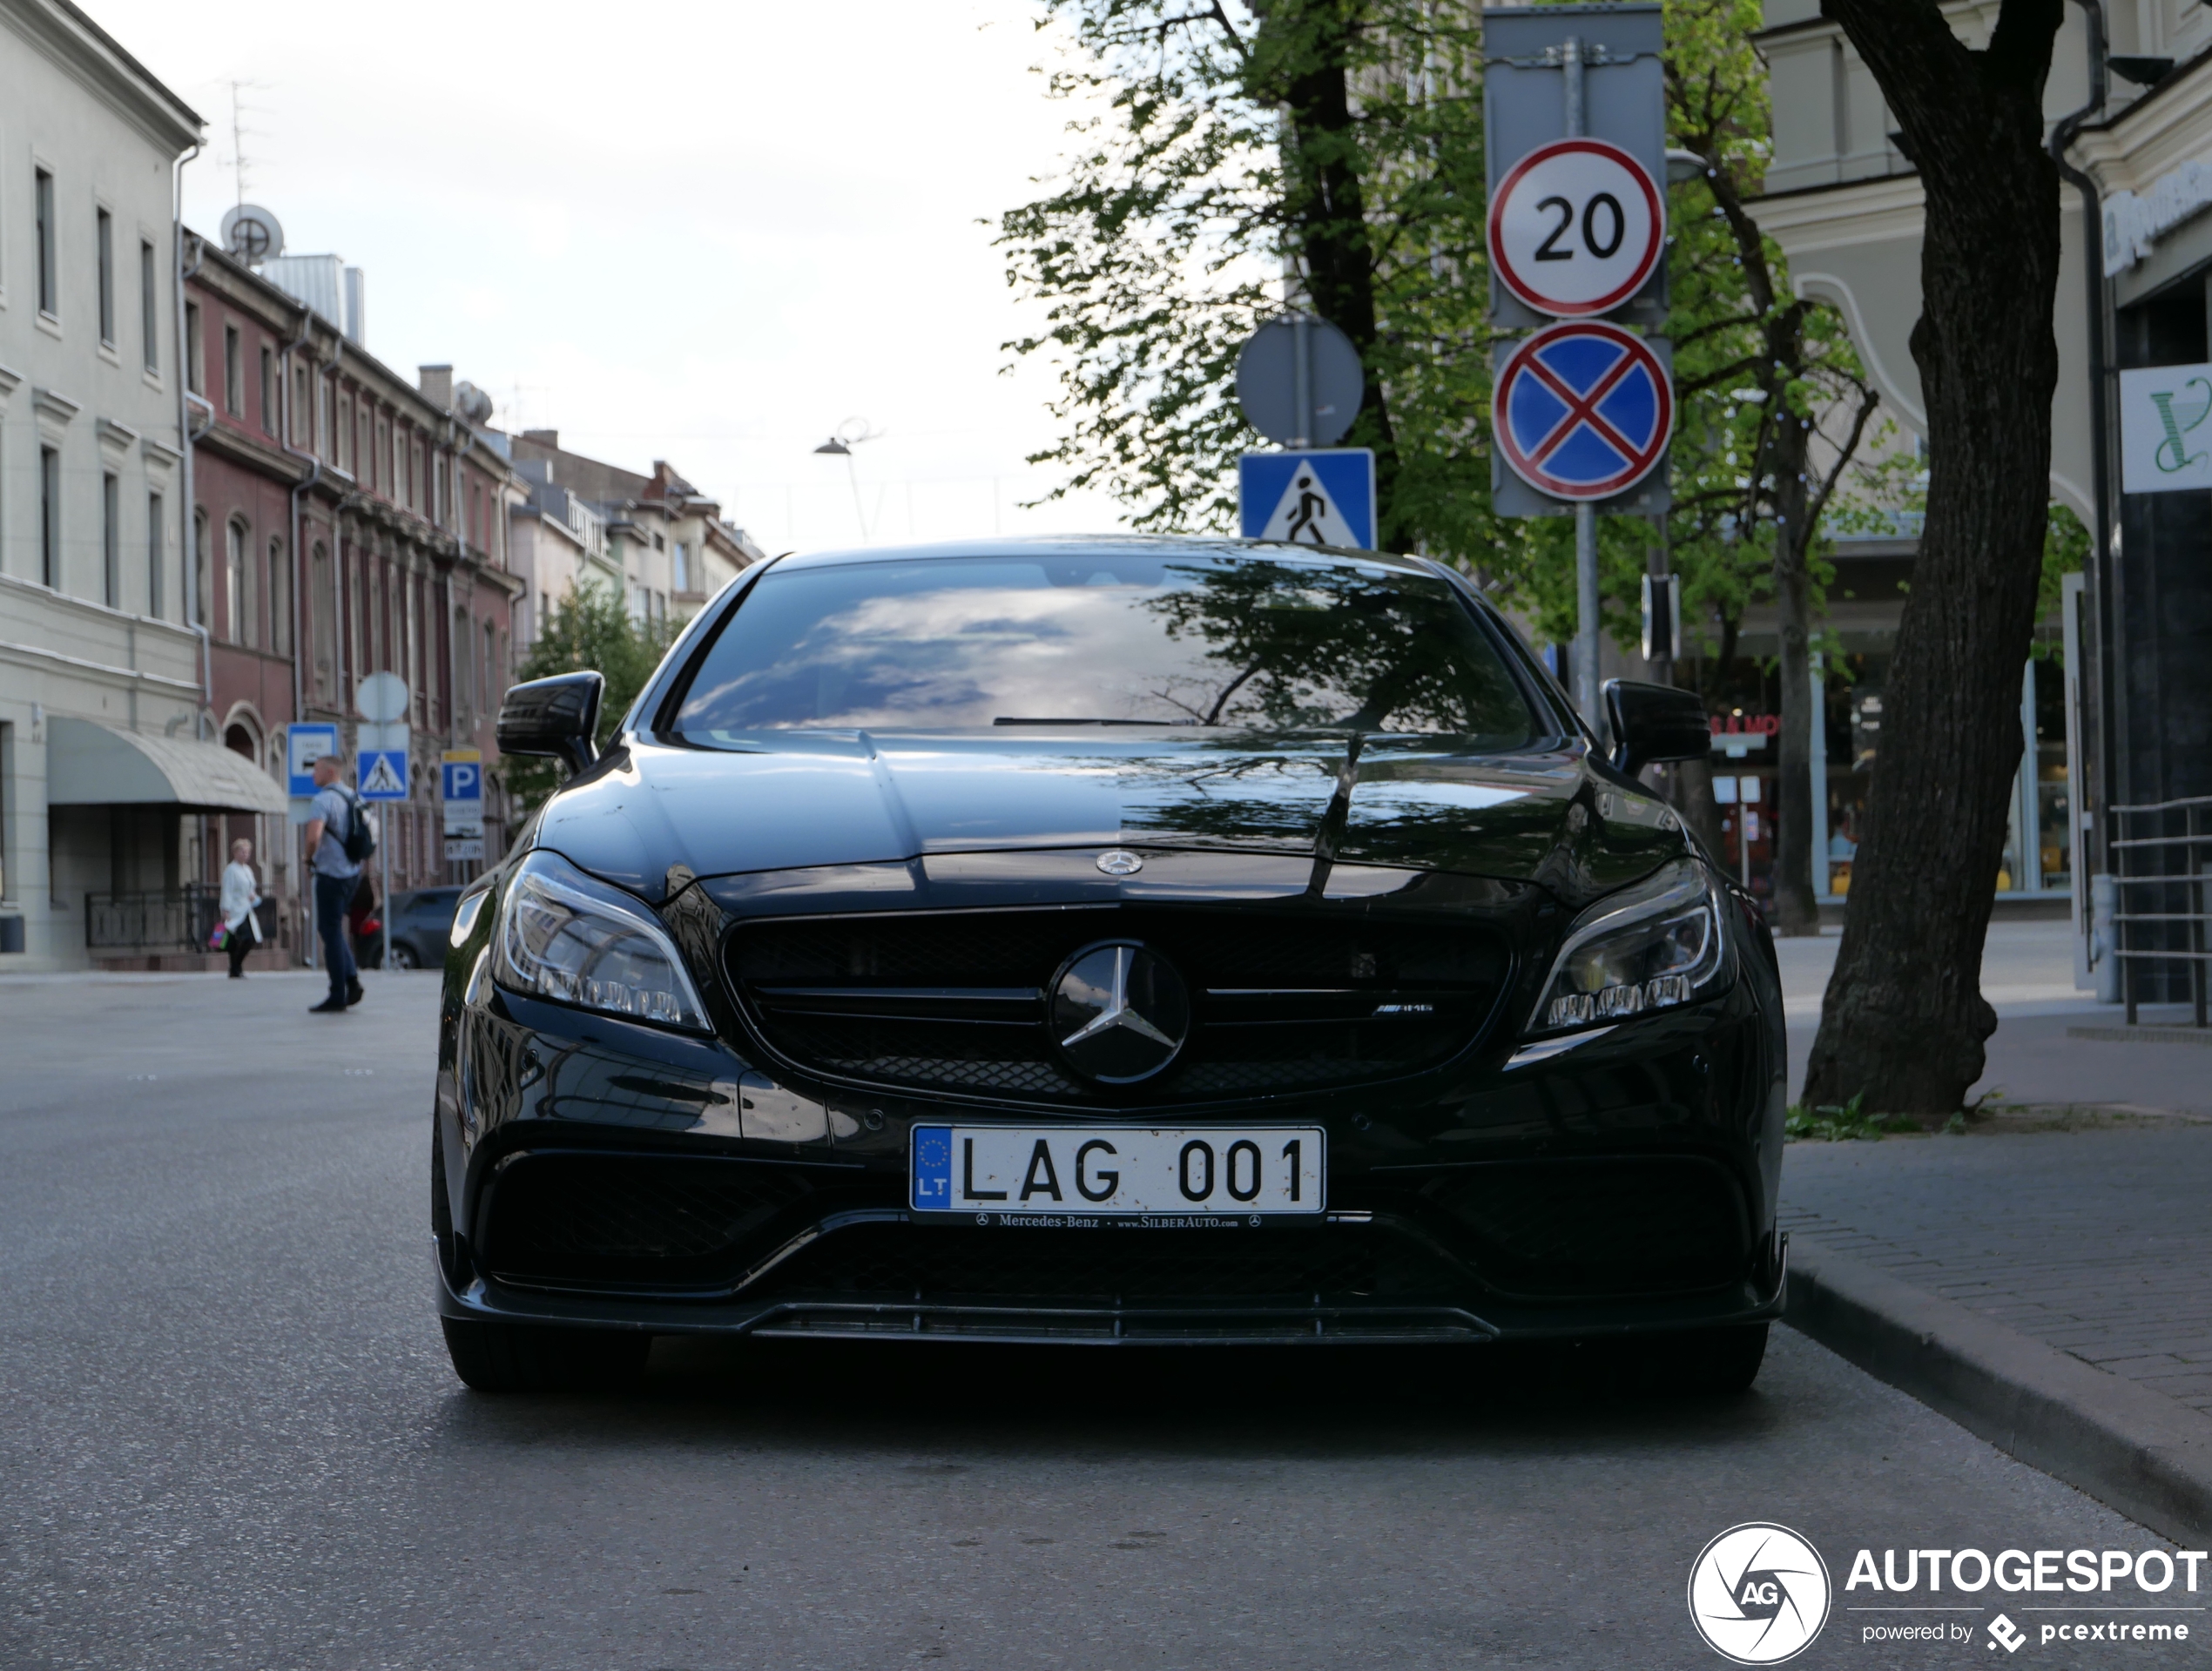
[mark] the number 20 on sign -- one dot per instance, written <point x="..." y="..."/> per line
<point x="1576" y="228"/>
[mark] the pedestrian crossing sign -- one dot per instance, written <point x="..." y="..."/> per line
<point x="383" y="775"/>
<point x="1322" y="497"/>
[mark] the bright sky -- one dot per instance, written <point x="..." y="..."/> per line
<point x="708" y="231"/>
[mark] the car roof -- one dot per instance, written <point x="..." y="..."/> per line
<point x="1105" y="546"/>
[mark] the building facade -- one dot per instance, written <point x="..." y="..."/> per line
<point x="658" y="541"/>
<point x="108" y="759"/>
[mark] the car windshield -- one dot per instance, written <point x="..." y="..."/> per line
<point x="977" y="643"/>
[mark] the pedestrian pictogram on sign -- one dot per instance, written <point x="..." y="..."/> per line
<point x="1582" y="411"/>
<point x="1311" y="498"/>
<point x="1576" y="228"/>
<point x="383" y="775"/>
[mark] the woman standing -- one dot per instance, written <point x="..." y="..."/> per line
<point x="241" y="892"/>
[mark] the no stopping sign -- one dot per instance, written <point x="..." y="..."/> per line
<point x="1582" y="410"/>
<point x="1576" y="228"/>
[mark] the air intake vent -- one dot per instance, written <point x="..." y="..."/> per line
<point x="956" y="1001"/>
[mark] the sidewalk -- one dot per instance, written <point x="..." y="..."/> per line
<point x="2074" y="1228"/>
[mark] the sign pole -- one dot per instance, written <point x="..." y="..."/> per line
<point x="1302" y="382"/>
<point x="384" y="904"/>
<point x="1587" y="604"/>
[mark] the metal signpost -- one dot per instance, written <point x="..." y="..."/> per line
<point x="381" y="764"/>
<point x="1300" y="383"/>
<point x="462" y="788"/>
<point x="1574" y="114"/>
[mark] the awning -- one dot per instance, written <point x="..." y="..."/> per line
<point x="91" y="765"/>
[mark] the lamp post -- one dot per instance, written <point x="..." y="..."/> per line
<point x="849" y="435"/>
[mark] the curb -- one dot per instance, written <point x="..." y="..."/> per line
<point x="2134" y="1450"/>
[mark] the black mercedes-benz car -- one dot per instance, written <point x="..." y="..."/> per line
<point x="1120" y="941"/>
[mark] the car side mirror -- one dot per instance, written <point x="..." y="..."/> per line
<point x="1655" y="722"/>
<point x="557" y="716"/>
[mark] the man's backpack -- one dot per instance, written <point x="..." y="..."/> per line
<point x="361" y="836"/>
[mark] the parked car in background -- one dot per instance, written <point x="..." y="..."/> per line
<point x="420" y="918"/>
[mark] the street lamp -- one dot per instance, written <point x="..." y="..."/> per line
<point x="849" y="435"/>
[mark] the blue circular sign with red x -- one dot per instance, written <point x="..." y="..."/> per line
<point x="1583" y="410"/>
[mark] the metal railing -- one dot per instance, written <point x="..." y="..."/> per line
<point x="2161" y="862"/>
<point x="168" y="919"/>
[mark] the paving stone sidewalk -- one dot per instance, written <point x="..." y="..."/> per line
<point x="2097" y="1242"/>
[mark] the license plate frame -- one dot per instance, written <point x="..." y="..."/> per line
<point x="1160" y="1175"/>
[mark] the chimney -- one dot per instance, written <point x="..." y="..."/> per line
<point x="549" y="438"/>
<point x="436" y="384"/>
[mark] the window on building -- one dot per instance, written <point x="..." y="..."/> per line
<point x="345" y="460"/>
<point x="268" y="390"/>
<point x="203" y="583"/>
<point x="325" y="415"/>
<point x="49" y="516"/>
<point x="323" y="621"/>
<point x="488" y="691"/>
<point x="280" y="599"/>
<point x="239" y="601"/>
<point x="476" y="516"/>
<point x="234" y="374"/>
<point x="383" y="462"/>
<point x="464" y="675"/>
<point x="111" y="539"/>
<point x="195" y="353"/>
<point x="300" y="417"/>
<point x="149" y="307"/>
<point x="103" y="225"/>
<point x="415" y="476"/>
<point x="50" y="290"/>
<point x="157" y="549"/>
<point x="681" y="566"/>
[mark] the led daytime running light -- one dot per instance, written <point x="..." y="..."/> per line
<point x="566" y="937"/>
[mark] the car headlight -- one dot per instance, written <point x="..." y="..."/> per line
<point x="563" y="936"/>
<point x="1652" y="946"/>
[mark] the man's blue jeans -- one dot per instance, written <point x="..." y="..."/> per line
<point x="333" y="895"/>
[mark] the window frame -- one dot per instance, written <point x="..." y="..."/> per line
<point x="49" y="516"/>
<point x="150" y="307"/>
<point x="111" y="539"/>
<point x="48" y="255"/>
<point x="233" y="370"/>
<point x="103" y="248"/>
<point x="157" y="549"/>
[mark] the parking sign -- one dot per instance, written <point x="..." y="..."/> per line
<point x="462" y="773"/>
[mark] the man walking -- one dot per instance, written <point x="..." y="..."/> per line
<point x="337" y="816"/>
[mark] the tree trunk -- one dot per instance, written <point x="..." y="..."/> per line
<point x="1904" y="1022"/>
<point x="1324" y="206"/>
<point x="1798" y="766"/>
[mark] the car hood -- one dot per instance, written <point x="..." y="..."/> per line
<point x="788" y="800"/>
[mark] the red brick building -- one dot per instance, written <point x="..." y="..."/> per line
<point x="345" y="522"/>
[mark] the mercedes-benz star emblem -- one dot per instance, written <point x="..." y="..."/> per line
<point x="1120" y="1012"/>
<point x="1119" y="861"/>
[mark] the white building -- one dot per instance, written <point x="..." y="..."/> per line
<point x="103" y="742"/>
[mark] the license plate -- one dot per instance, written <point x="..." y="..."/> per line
<point x="1117" y="1171"/>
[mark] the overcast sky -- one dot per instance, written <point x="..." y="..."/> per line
<point x="708" y="231"/>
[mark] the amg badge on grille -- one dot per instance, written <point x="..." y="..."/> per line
<point x="1119" y="861"/>
<point x="1120" y="1012"/>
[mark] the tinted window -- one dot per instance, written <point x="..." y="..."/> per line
<point x="981" y="642"/>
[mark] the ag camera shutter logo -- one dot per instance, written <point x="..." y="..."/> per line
<point x="1759" y="1593"/>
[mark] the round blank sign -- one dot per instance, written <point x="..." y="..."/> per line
<point x="381" y="698"/>
<point x="1576" y="228"/>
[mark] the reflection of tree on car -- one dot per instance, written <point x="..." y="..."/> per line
<point x="1278" y="630"/>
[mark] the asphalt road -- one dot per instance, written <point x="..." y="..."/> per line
<point x="229" y="1437"/>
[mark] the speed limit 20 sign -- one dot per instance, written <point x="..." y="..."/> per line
<point x="1576" y="228"/>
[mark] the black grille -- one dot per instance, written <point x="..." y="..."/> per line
<point x="948" y="1264"/>
<point x="1666" y="1225"/>
<point x="613" y="1218"/>
<point x="1281" y="1001"/>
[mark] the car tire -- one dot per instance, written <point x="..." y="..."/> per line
<point x="404" y="956"/>
<point x="535" y="1358"/>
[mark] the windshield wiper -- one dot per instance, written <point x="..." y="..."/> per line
<point x="1006" y="720"/>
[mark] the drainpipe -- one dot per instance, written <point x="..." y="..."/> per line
<point x="306" y="483"/>
<point x="2102" y="535"/>
<point x="185" y="275"/>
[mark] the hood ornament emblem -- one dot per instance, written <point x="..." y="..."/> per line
<point x="1119" y="861"/>
<point x="1120" y="1012"/>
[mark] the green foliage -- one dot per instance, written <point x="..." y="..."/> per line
<point x="1340" y="143"/>
<point x="589" y="629"/>
<point x="1227" y="152"/>
<point x="1850" y="1124"/>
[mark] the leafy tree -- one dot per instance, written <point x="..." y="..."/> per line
<point x="589" y="629"/>
<point x="1338" y="142"/>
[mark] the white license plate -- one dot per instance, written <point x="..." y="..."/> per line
<point x="1120" y="1171"/>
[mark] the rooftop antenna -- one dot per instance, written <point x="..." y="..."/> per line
<point x="849" y="435"/>
<point x="238" y="140"/>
